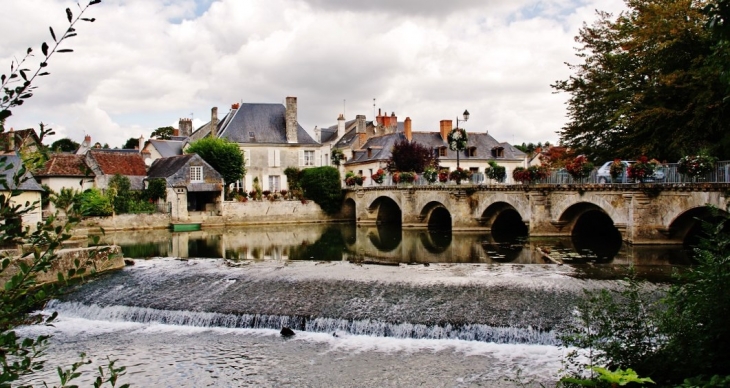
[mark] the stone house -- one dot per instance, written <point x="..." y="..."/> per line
<point x="193" y="186"/>
<point x="65" y="171"/>
<point x="22" y="141"/>
<point x="375" y="151"/>
<point x="30" y="190"/>
<point x="106" y="163"/>
<point x="270" y="139"/>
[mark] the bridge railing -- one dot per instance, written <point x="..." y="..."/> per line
<point x="720" y="174"/>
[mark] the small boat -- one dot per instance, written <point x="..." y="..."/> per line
<point x="184" y="226"/>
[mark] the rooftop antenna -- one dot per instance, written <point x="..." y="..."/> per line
<point x="344" y="107"/>
<point x="374" y="109"/>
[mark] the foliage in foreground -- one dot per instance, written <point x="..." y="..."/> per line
<point x="681" y="339"/>
<point x="21" y="293"/>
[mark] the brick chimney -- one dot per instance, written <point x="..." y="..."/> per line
<point x="360" y="129"/>
<point x="407" y="129"/>
<point x="445" y="128"/>
<point x="317" y="134"/>
<point x="140" y="143"/>
<point x="340" y="126"/>
<point x="392" y="123"/>
<point x="291" y="120"/>
<point x="214" y="122"/>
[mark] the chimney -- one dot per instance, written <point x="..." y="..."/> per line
<point x="392" y="123"/>
<point x="341" y="126"/>
<point x="140" y="145"/>
<point x="360" y="129"/>
<point x="407" y="129"/>
<point x="235" y="106"/>
<point x="186" y="127"/>
<point x="214" y="122"/>
<point x="445" y="126"/>
<point x="175" y="132"/>
<point x="317" y="134"/>
<point x="379" y="118"/>
<point x="291" y="120"/>
<point x="11" y="140"/>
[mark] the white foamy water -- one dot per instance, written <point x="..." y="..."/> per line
<point x="188" y="356"/>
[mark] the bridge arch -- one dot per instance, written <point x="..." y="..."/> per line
<point x="503" y="219"/>
<point x="387" y="210"/>
<point x="437" y="216"/>
<point x="349" y="209"/>
<point x="585" y="221"/>
<point x="686" y="227"/>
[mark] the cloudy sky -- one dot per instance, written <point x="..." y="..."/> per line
<point x="146" y="63"/>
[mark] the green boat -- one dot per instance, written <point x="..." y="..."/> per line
<point x="185" y="226"/>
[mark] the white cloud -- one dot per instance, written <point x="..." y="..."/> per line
<point x="145" y="63"/>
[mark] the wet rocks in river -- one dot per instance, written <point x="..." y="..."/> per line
<point x="286" y="332"/>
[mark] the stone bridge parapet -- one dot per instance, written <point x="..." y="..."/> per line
<point x="642" y="213"/>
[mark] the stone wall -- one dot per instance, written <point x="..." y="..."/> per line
<point x="273" y="212"/>
<point x="98" y="262"/>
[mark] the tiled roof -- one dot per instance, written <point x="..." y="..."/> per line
<point x="6" y="175"/>
<point x="123" y="162"/>
<point x="266" y="122"/>
<point x="166" y="167"/>
<point x="66" y="165"/>
<point x="20" y="137"/>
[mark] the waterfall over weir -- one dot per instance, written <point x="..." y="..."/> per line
<point x="500" y="304"/>
<point x="468" y="332"/>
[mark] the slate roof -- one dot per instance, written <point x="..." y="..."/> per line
<point x="267" y="122"/>
<point x="27" y="182"/>
<point x="381" y="147"/>
<point x="167" y="148"/>
<point x="123" y="162"/>
<point x="65" y="165"/>
<point x="166" y="167"/>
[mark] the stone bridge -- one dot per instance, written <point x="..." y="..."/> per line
<point x="642" y="214"/>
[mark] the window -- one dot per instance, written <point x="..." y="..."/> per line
<point x="471" y="151"/>
<point x="309" y="158"/>
<point x="251" y="135"/>
<point x="196" y="173"/>
<point x="274" y="158"/>
<point x="274" y="183"/>
<point x="442" y="151"/>
<point x="247" y="158"/>
<point x="498" y="152"/>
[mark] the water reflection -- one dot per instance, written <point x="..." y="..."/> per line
<point x="387" y="245"/>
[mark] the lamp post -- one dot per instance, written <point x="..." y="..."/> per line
<point x="458" y="145"/>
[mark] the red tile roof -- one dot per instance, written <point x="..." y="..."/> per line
<point x="65" y="165"/>
<point x="119" y="162"/>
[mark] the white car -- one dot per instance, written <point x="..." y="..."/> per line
<point x="603" y="175"/>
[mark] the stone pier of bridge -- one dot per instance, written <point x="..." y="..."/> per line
<point x="642" y="214"/>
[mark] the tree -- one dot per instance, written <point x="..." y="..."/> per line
<point x="647" y="85"/>
<point x="322" y="185"/>
<point x="21" y="294"/>
<point x="224" y="156"/>
<point x="64" y="145"/>
<point x="162" y="133"/>
<point x="410" y="156"/>
<point x="130" y="144"/>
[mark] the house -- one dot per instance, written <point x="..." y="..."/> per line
<point x="65" y="171"/>
<point x="29" y="197"/>
<point x="193" y="186"/>
<point x="374" y="152"/>
<point x="105" y="163"/>
<point x="270" y="139"/>
<point x="156" y="148"/>
<point x="24" y="140"/>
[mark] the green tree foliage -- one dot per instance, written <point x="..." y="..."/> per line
<point x="410" y="156"/>
<point x="682" y="337"/>
<point x="64" y="145"/>
<point x="224" y="156"/>
<point x="93" y="203"/>
<point x="322" y="185"/>
<point x="156" y="189"/>
<point x="130" y="144"/>
<point x="647" y="85"/>
<point x="120" y="193"/>
<point x="21" y="294"/>
<point x="162" y="133"/>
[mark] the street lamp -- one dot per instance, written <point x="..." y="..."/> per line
<point x="457" y="137"/>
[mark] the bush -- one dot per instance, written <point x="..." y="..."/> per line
<point x="322" y="185"/>
<point x="530" y="174"/>
<point x="156" y="189"/>
<point x="92" y="203"/>
<point x="496" y="172"/>
<point x="141" y="206"/>
<point x="579" y="167"/>
<point x="696" y="165"/>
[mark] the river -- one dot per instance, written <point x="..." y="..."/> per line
<point x="369" y="306"/>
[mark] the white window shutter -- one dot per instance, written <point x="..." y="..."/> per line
<point x="271" y="158"/>
<point x="318" y="158"/>
<point x="265" y="183"/>
<point x="277" y="158"/>
<point x="301" y="158"/>
<point x="247" y="158"/>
